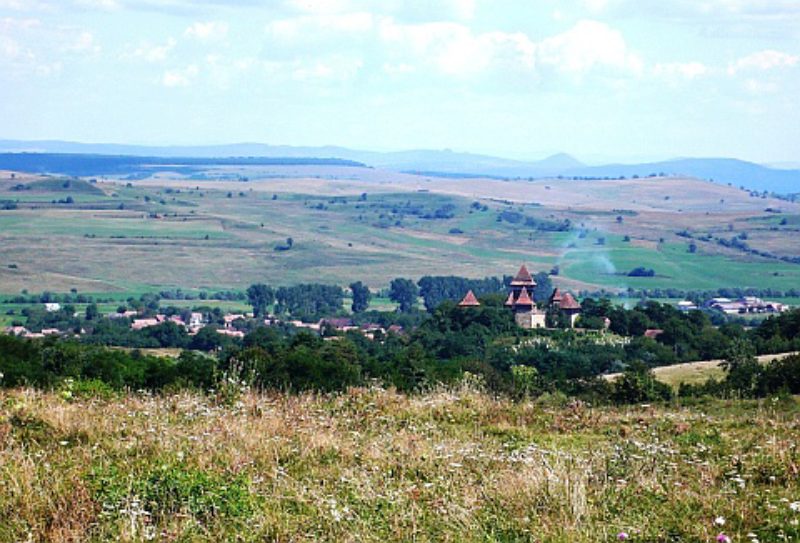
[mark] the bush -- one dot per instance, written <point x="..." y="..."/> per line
<point x="638" y="384"/>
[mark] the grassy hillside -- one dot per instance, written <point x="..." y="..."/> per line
<point x="372" y="465"/>
<point x="171" y="231"/>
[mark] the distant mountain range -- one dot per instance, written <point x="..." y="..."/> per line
<point x="782" y="180"/>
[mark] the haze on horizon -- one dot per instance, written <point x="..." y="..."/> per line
<point x="600" y="79"/>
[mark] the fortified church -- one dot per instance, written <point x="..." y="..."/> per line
<point x="520" y="301"/>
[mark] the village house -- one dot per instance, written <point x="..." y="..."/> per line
<point x="140" y="324"/>
<point x="129" y="314"/>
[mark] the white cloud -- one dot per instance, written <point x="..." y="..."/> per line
<point x="105" y="5"/>
<point x="316" y="27"/>
<point x="760" y="88"/>
<point x="84" y="43"/>
<point x="677" y="71"/>
<point x="211" y="30"/>
<point x="588" y="45"/>
<point x="331" y="69"/>
<point x="154" y="53"/>
<point x="762" y="61"/>
<point x="180" y="78"/>
<point x="463" y="9"/>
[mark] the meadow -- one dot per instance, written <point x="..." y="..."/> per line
<point x="370" y="464"/>
<point x="122" y="236"/>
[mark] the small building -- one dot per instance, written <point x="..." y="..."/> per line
<point x="231" y="333"/>
<point x="129" y="314"/>
<point x="17" y="331"/>
<point x="340" y="324"/>
<point x="52" y="307"/>
<point x="570" y="306"/>
<point x="526" y="314"/>
<point x="567" y="304"/>
<point x="469" y="300"/>
<point x="653" y="333"/>
<point x="686" y="305"/>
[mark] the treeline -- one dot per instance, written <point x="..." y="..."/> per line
<point x="81" y="165"/>
<point x="449" y="344"/>
<point x="78" y="298"/>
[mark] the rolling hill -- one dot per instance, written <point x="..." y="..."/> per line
<point x="752" y="176"/>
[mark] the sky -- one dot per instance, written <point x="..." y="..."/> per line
<point x="625" y="80"/>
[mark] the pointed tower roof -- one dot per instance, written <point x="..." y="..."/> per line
<point x="510" y="300"/>
<point x="523" y="278"/>
<point x="524" y="298"/>
<point x="469" y="300"/>
<point x="556" y="297"/>
<point x="569" y="302"/>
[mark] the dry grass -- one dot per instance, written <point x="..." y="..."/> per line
<point x="695" y="373"/>
<point x="373" y="465"/>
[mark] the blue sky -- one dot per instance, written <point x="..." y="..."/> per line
<point x="601" y="79"/>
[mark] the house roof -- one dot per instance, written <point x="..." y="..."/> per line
<point x="524" y="298"/>
<point x="523" y="278"/>
<point x="469" y="300"/>
<point x="653" y="333"/>
<point x="556" y="296"/>
<point x="338" y="322"/>
<point x="569" y="302"/>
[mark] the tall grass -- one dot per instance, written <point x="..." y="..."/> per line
<point x="374" y="465"/>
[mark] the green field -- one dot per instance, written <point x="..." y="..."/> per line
<point x="133" y="237"/>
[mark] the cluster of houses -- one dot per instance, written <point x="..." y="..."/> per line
<point x="24" y="332"/>
<point x="743" y="306"/>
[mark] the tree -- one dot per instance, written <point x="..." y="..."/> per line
<point x="638" y="384"/>
<point x="543" y="288"/>
<point x="92" y="312"/>
<point x="404" y="292"/>
<point x="361" y="297"/>
<point x="260" y="296"/>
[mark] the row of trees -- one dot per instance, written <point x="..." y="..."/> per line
<point x="483" y="341"/>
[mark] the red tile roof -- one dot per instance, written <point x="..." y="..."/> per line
<point x="469" y="300"/>
<point x="524" y="298"/>
<point x="653" y="333"/>
<point x="556" y="296"/>
<point x="510" y="300"/>
<point x="523" y="278"/>
<point x="568" y="302"/>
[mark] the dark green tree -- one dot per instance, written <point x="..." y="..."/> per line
<point x="260" y="296"/>
<point x="404" y="292"/>
<point x="92" y="313"/>
<point x="361" y="297"/>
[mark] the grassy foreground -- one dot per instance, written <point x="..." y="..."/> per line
<point x="373" y="465"/>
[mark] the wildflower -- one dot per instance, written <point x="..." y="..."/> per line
<point x="795" y="506"/>
<point x="622" y="536"/>
<point x="722" y="538"/>
<point x="719" y="521"/>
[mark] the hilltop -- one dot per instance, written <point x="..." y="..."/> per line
<point x="783" y="180"/>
